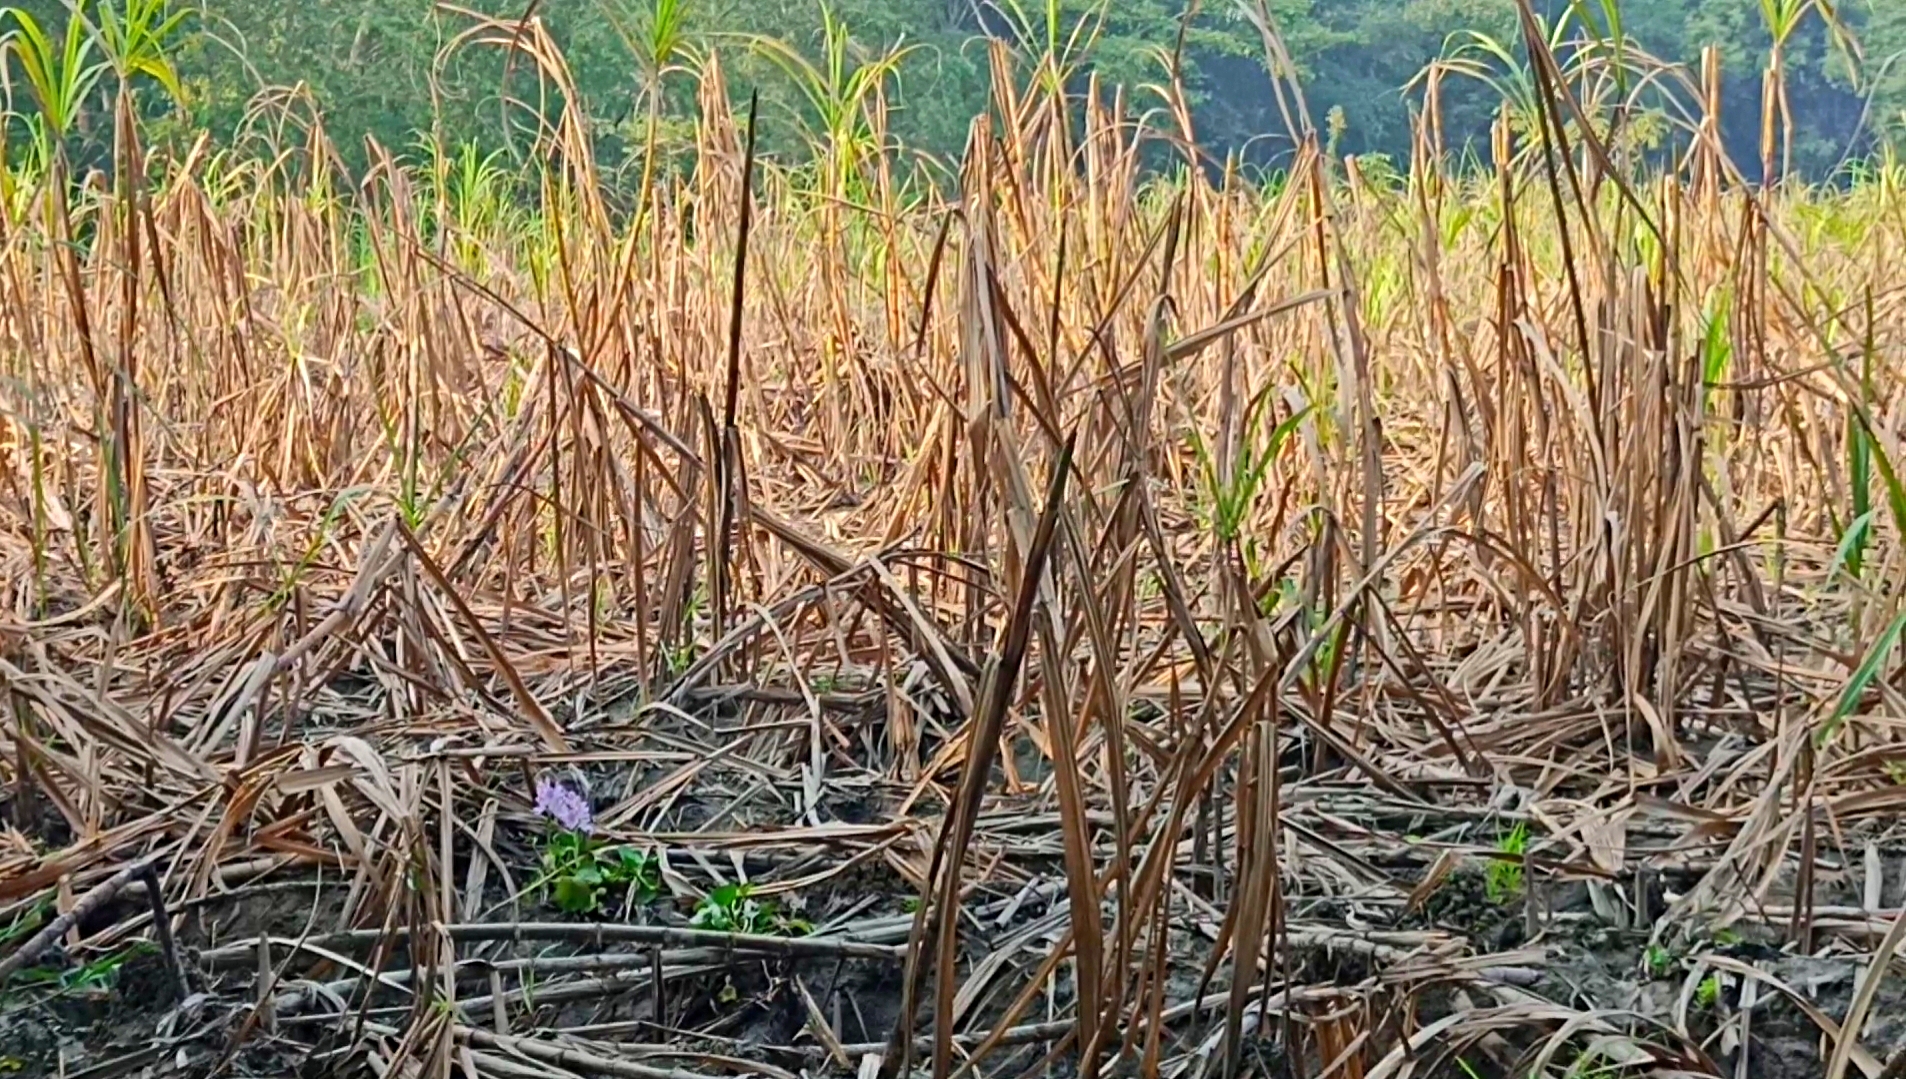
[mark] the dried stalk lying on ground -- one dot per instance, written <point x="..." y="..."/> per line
<point x="92" y="903"/>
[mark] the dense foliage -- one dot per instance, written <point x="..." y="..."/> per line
<point x="392" y="70"/>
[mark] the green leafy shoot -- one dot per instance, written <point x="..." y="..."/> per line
<point x="1657" y="960"/>
<point x="135" y="35"/>
<point x="734" y="908"/>
<point x="98" y="976"/>
<point x="1717" y="350"/>
<point x="679" y="658"/>
<point x="840" y="90"/>
<point x="1863" y="677"/>
<point x="582" y="877"/>
<point x="1503" y="880"/>
<point x="1708" y="993"/>
<point x="25" y="923"/>
<point x="1593" y="1065"/>
<point x="60" y="76"/>
<point x="1229" y="499"/>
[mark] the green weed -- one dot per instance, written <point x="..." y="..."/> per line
<point x="679" y="658"/>
<point x="1658" y="961"/>
<point x="98" y="976"/>
<point x="733" y="908"/>
<point x="581" y="875"/>
<point x="1593" y="1066"/>
<point x="25" y="923"/>
<point x="1503" y="880"/>
<point x="1228" y="499"/>
<point x="1708" y="993"/>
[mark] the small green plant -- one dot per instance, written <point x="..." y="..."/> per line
<point x="1288" y="594"/>
<point x="582" y="874"/>
<point x="1503" y="881"/>
<point x="679" y="658"/>
<point x="1150" y="585"/>
<point x="733" y="908"/>
<point x="1658" y="960"/>
<point x="1592" y="1066"/>
<point x="25" y="923"/>
<point x="1708" y="993"/>
<point x="579" y="871"/>
<point x="98" y="976"/>
<point x="1229" y="497"/>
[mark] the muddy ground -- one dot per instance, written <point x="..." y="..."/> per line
<point x="88" y="1018"/>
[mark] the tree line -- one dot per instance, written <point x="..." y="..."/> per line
<point x="415" y="73"/>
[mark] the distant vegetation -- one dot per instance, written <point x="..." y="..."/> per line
<point x="399" y="70"/>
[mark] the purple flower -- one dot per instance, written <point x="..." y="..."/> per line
<point x="564" y="805"/>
